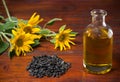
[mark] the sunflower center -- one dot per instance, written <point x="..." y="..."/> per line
<point x="28" y="29"/>
<point x="19" y="42"/>
<point x="62" y="37"/>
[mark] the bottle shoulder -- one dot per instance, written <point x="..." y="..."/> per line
<point x="98" y="31"/>
<point x="93" y="26"/>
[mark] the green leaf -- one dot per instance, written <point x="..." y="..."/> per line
<point x="50" y="35"/>
<point x="1" y="27"/>
<point x="51" y="22"/>
<point x="1" y="17"/>
<point x="24" y="21"/>
<point x="62" y="28"/>
<point x="52" y="41"/>
<point x="9" y="25"/>
<point x="14" y="19"/>
<point x="45" y="31"/>
<point x="3" y="46"/>
<point x="75" y="33"/>
<point x="37" y="42"/>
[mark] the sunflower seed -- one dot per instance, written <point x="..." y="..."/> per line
<point x="45" y="65"/>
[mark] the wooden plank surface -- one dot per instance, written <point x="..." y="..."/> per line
<point x="76" y="14"/>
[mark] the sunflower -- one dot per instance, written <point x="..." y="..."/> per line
<point x="63" y="38"/>
<point x="21" y="42"/>
<point x="31" y="26"/>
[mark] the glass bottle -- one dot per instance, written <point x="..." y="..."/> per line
<point x="97" y="44"/>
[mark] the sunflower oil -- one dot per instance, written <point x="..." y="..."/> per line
<point x="97" y="46"/>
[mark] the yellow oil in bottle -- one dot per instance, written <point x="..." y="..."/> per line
<point x="97" y="43"/>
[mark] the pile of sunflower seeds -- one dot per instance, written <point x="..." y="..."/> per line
<point x="50" y="66"/>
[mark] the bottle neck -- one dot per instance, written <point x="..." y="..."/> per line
<point x="98" y="20"/>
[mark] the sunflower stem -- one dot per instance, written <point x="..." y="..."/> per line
<point x="5" y="36"/>
<point x="53" y="32"/>
<point x="8" y="34"/>
<point x="6" y="9"/>
<point x="44" y="25"/>
<point x="1" y="37"/>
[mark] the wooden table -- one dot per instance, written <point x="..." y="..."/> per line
<point x="76" y="14"/>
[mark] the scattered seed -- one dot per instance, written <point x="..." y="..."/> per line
<point x="45" y="65"/>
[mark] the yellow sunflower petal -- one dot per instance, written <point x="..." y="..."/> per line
<point x="61" y="47"/>
<point x="64" y="47"/>
<point x="14" y="32"/>
<point x="28" y="42"/>
<point x="28" y="48"/>
<point x="57" y="36"/>
<point x="71" y="42"/>
<point x="72" y="38"/>
<point x="67" y="31"/>
<point x="67" y="44"/>
<point x="56" y="45"/>
<point x="72" y="34"/>
<point x="17" y="51"/>
<point x="34" y="20"/>
<point x="23" y="52"/>
<point x="35" y="30"/>
<point x="36" y="36"/>
<point x="21" y="24"/>
<point x="31" y="18"/>
<point x="41" y="20"/>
